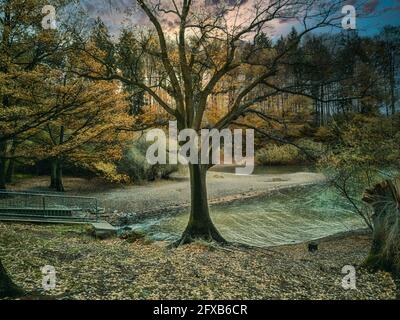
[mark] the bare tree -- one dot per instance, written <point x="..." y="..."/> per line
<point x="197" y="47"/>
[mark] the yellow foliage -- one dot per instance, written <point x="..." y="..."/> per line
<point x="109" y="172"/>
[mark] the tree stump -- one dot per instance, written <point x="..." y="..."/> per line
<point x="385" y="201"/>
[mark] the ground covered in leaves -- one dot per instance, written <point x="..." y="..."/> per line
<point x="89" y="268"/>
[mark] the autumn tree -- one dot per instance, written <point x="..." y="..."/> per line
<point x="86" y="134"/>
<point x="26" y="52"/>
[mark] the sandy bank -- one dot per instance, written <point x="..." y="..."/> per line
<point x="163" y="196"/>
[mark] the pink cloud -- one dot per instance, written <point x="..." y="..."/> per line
<point x="371" y="6"/>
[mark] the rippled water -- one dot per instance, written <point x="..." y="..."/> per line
<point x="287" y="217"/>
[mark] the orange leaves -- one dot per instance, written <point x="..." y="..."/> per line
<point x="109" y="172"/>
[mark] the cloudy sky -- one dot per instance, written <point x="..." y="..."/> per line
<point x="373" y="16"/>
<point x="382" y="12"/>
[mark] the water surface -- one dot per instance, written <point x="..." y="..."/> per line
<point x="293" y="216"/>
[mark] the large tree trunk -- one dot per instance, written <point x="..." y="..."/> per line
<point x="393" y="83"/>
<point x="2" y="175"/>
<point x="11" y="164"/>
<point x="59" y="177"/>
<point x="53" y="174"/>
<point x="200" y="226"/>
<point x="10" y="171"/>
<point x="56" y="181"/>
<point x="3" y="165"/>
<point x="385" y="250"/>
<point x="7" y="288"/>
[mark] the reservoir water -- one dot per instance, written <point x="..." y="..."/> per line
<point x="290" y="216"/>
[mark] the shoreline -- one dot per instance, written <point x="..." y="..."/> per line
<point x="330" y="238"/>
<point x="236" y="198"/>
<point x="173" y="195"/>
<point x="241" y="189"/>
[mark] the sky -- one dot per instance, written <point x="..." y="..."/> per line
<point x="381" y="13"/>
<point x="372" y="15"/>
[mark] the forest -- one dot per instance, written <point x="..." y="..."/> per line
<point x="78" y="96"/>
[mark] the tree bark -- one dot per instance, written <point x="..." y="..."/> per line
<point x="200" y="226"/>
<point x="393" y="83"/>
<point x="10" y="171"/>
<point x="2" y="175"/>
<point x="385" y="201"/>
<point x="11" y="163"/>
<point x="56" y="167"/>
<point x="53" y="173"/>
<point x="56" y="181"/>
<point x="59" y="177"/>
<point x="7" y="287"/>
<point x="3" y="165"/>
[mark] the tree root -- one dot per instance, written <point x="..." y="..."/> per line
<point x="209" y="234"/>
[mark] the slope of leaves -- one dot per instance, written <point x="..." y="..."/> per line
<point x="119" y="269"/>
